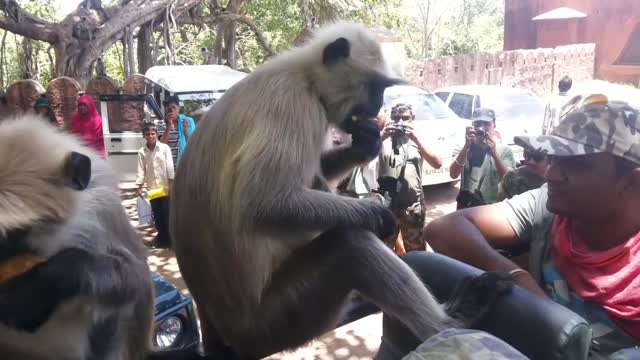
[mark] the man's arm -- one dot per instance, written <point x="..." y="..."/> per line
<point x="504" y="161"/>
<point x="188" y="127"/>
<point x="170" y="167"/>
<point x="432" y="159"/>
<point x="165" y="136"/>
<point x="470" y="235"/>
<point x="457" y="166"/>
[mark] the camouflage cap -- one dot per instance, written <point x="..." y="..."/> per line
<point x="594" y="125"/>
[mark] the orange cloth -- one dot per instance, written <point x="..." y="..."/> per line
<point x="609" y="278"/>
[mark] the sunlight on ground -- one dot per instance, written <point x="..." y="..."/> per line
<point x="358" y="340"/>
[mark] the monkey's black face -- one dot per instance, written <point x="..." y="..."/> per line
<point x="369" y="103"/>
<point x="376" y="86"/>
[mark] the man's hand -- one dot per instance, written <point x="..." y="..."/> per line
<point x="139" y="191"/>
<point x="410" y="132"/>
<point x="399" y="248"/>
<point x="172" y="118"/>
<point x="387" y="131"/>
<point x="185" y="126"/>
<point x="490" y="143"/>
<point x="469" y="137"/>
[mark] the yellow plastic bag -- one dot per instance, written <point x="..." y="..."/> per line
<point x="157" y="193"/>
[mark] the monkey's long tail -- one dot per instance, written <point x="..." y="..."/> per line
<point x="392" y="285"/>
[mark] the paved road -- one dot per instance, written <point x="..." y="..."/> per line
<point x="358" y="340"/>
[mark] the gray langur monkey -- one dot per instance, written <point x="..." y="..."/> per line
<point x="92" y="297"/>
<point x="268" y="254"/>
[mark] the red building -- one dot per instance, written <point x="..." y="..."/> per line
<point x="613" y="25"/>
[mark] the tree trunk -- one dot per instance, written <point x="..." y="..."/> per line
<point x="125" y="60"/>
<point x="145" y="56"/>
<point x="52" y="63"/>
<point x="2" y="67"/>
<point x="230" y="44"/>
<point x="26" y="60"/>
<point x="168" y="47"/>
<point x="131" y="57"/>
<point x="218" y="51"/>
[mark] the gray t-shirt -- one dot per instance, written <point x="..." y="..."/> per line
<point x="532" y="222"/>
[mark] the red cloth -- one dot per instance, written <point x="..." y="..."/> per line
<point x="610" y="278"/>
<point x="89" y="126"/>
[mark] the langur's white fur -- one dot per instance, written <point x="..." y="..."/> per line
<point x="33" y="195"/>
<point x="259" y="146"/>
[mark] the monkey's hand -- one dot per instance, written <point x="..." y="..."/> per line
<point x="473" y="297"/>
<point x="365" y="137"/>
<point x="383" y="223"/>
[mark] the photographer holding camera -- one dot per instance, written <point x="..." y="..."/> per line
<point x="400" y="177"/>
<point x="481" y="161"/>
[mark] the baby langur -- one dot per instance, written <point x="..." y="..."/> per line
<point x="89" y="295"/>
<point x="270" y="256"/>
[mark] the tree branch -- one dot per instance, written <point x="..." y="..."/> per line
<point x="137" y="13"/>
<point x="214" y="19"/>
<point x="12" y="8"/>
<point x="42" y="32"/>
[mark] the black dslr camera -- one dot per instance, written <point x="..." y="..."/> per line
<point x="481" y="132"/>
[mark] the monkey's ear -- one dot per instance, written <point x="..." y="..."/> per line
<point x="77" y="171"/>
<point x="336" y="51"/>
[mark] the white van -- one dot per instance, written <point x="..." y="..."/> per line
<point x="197" y="87"/>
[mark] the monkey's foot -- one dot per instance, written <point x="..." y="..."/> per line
<point x="473" y="297"/>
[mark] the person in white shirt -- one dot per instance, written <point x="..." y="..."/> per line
<point x="555" y="108"/>
<point x="156" y="172"/>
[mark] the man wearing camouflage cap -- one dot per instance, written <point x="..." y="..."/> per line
<point x="582" y="228"/>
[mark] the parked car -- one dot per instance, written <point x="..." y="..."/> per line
<point x="439" y="128"/>
<point x="175" y="325"/>
<point x="518" y="111"/>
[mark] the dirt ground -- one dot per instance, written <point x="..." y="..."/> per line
<point x="358" y="340"/>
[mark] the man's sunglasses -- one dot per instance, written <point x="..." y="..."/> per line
<point x="537" y="157"/>
<point x="403" y="117"/>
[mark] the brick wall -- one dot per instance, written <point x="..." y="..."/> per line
<point x="63" y="94"/>
<point x="537" y="70"/>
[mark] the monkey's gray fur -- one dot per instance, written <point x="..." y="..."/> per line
<point x="269" y="260"/>
<point x="93" y="297"/>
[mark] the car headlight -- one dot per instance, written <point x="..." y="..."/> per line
<point x="168" y="331"/>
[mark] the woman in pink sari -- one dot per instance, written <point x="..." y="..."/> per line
<point x="87" y="123"/>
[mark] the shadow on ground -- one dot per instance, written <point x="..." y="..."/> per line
<point x="162" y="261"/>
